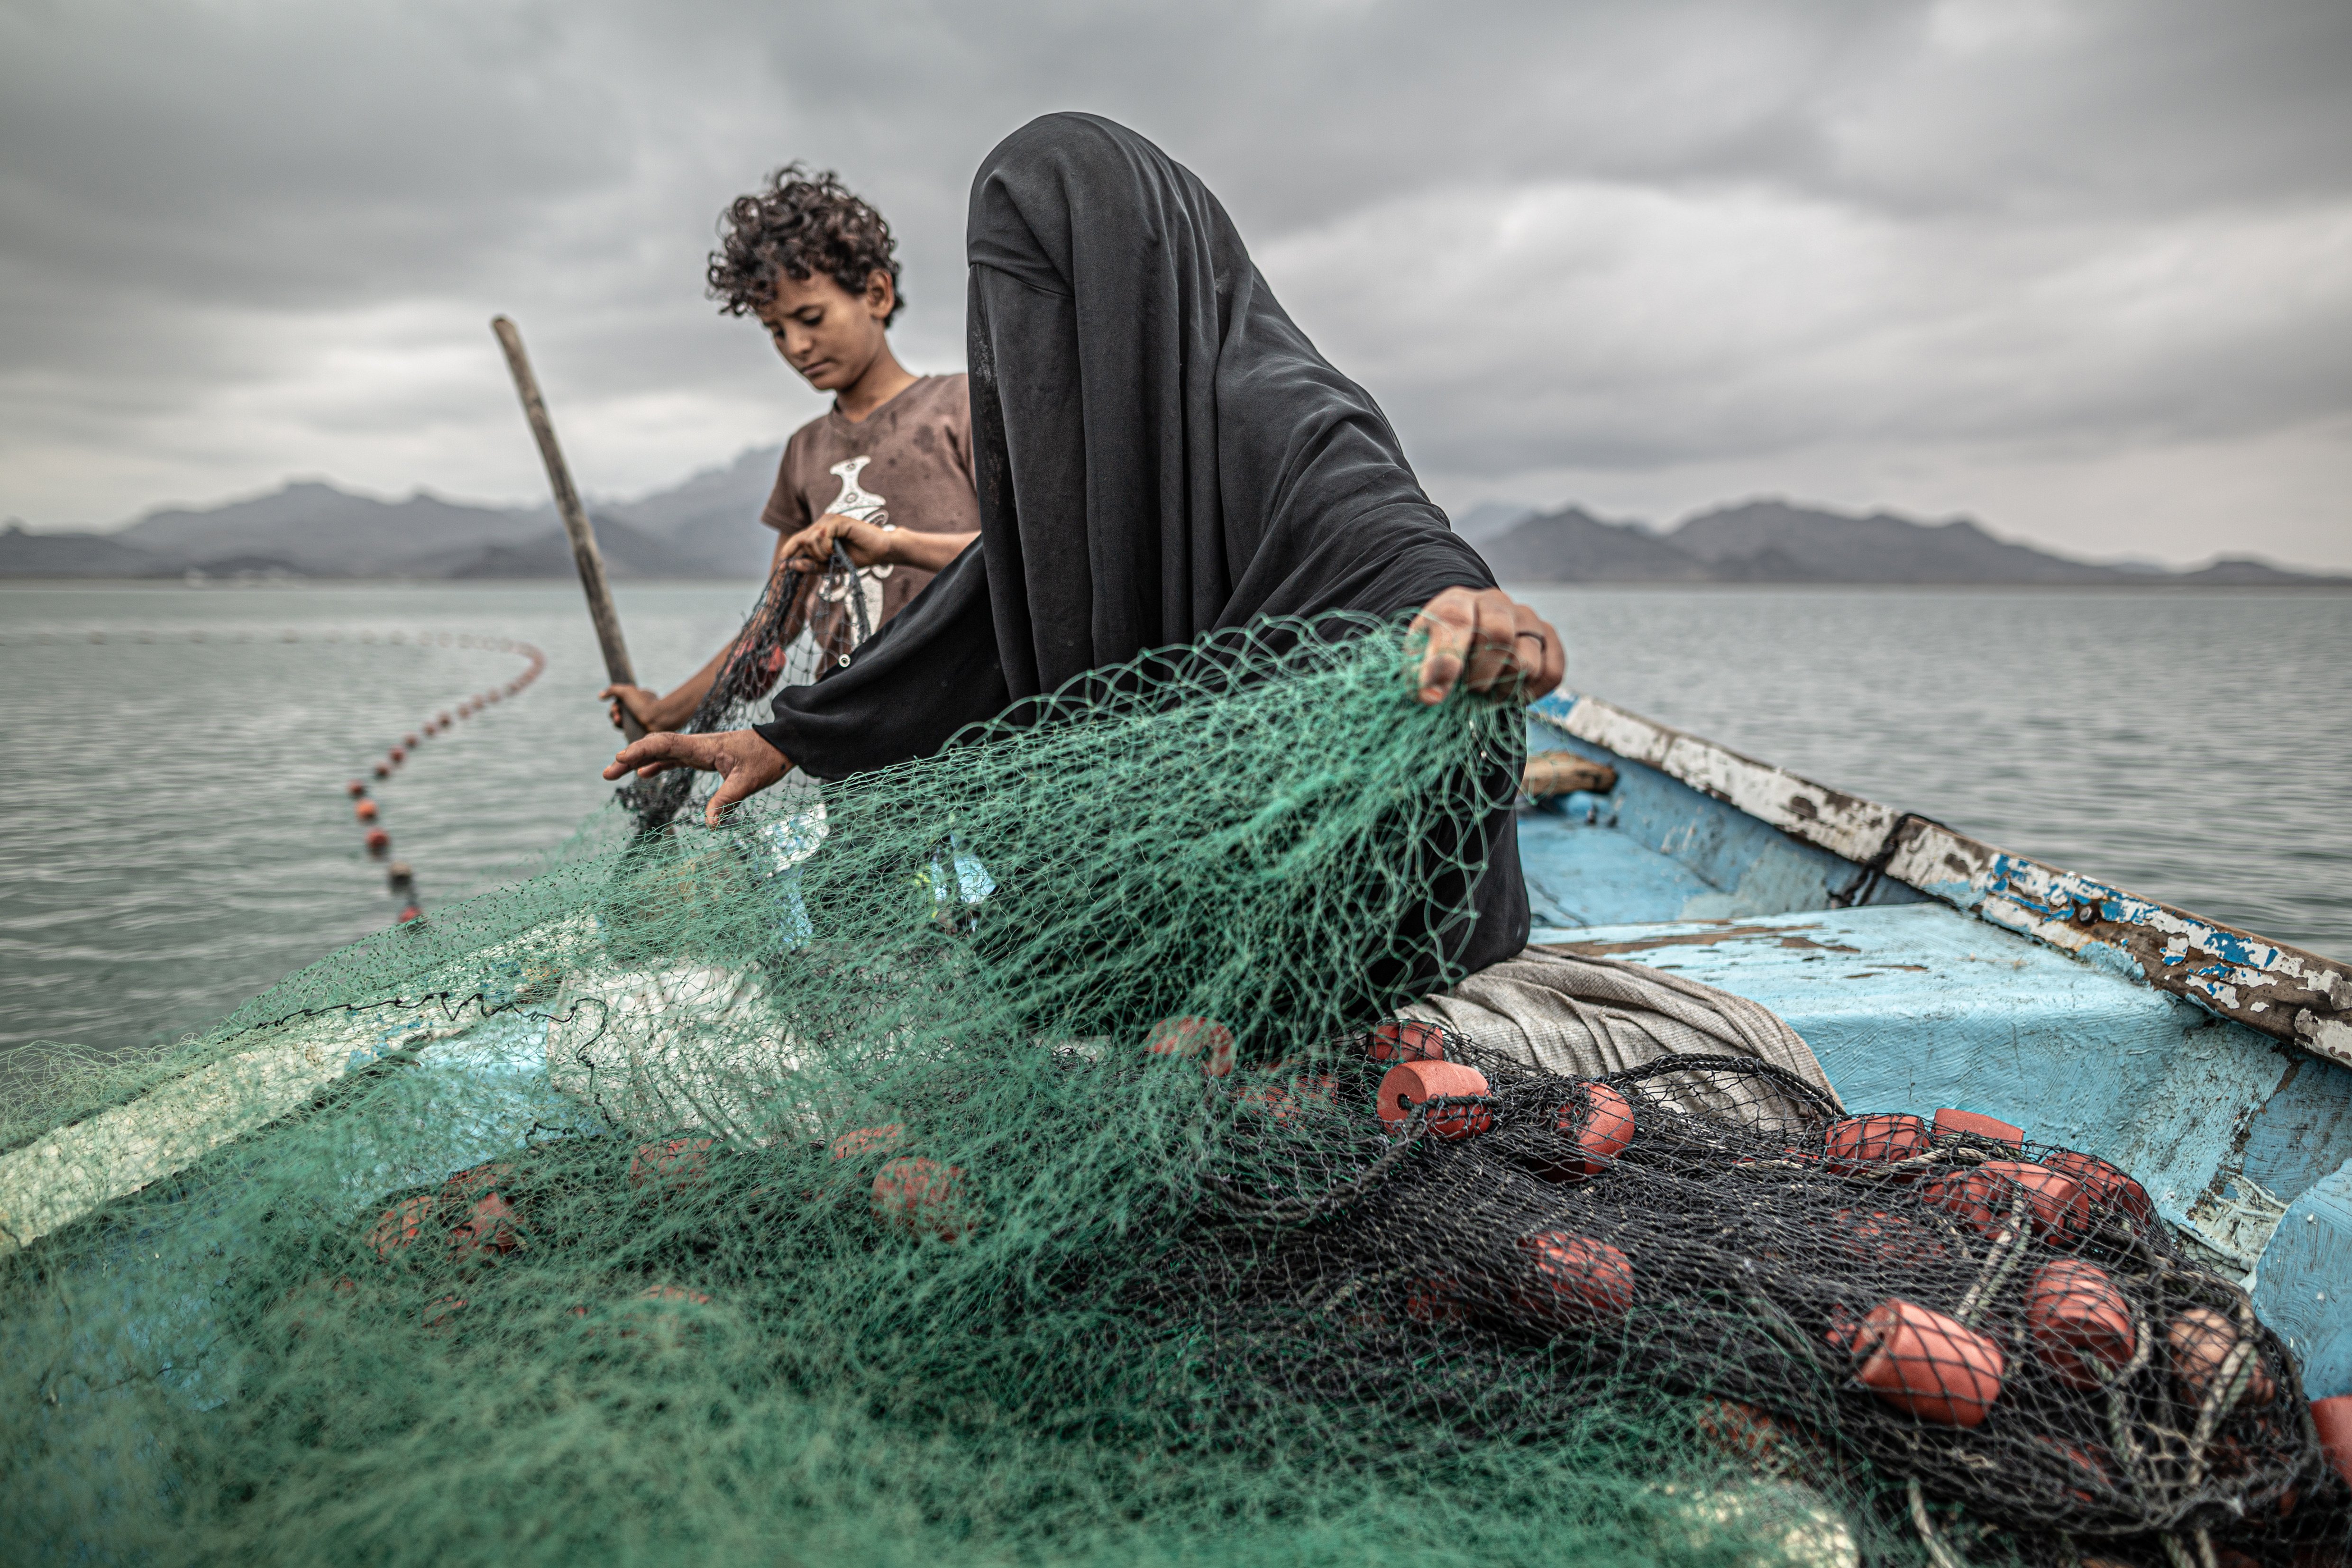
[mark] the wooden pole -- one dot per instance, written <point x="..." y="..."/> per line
<point x="584" y="553"/>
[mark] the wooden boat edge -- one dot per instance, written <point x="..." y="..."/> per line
<point x="2280" y="991"/>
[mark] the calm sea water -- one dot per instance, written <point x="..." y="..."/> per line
<point x="176" y="836"/>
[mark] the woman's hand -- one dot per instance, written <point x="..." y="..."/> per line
<point x="811" y="550"/>
<point x="745" y="763"/>
<point x="1489" y="643"/>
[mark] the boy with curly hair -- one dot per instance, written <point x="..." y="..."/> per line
<point x="888" y="470"/>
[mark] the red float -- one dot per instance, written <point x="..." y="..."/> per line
<point x="2199" y="1341"/>
<point x="1863" y="1143"/>
<point x="486" y="1233"/>
<point x="1601" y="1128"/>
<point x="1875" y="1236"/>
<point x="674" y="1294"/>
<point x="922" y="1197"/>
<point x="1205" y="1038"/>
<point x="2079" y="1323"/>
<point x="1408" y="1083"/>
<point x="868" y="1140"/>
<point x="397" y="755"/>
<point x="409" y="912"/>
<point x="377" y="841"/>
<point x="2054" y="1201"/>
<point x="1950" y="1120"/>
<point x="1574" y="1280"/>
<point x="355" y="788"/>
<point x="2103" y="1186"/>
<point x="1981" y="1198"/>
<point x="1406" y="1040"/>
<point x="676" y="1164"/>
<point x="409" y="741"/>
<point x="1744" y="1431"/>
<point x="2333" y="1419"/>
<point x="1430" y="1302"/>
<point x="400" y="1226"/>
<point x="2088" y="1464"/>
<point x="1933" y="1367"/>
<point x="382" y="770"/>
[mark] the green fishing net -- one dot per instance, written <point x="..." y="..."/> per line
<point x="996" y="1158"/>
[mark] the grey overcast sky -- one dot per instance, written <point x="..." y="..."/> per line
<point x="2081" y="270"/>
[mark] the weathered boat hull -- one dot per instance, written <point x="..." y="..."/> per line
<point x="1927" y="969"/>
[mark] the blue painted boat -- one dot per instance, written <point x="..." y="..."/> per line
<point x="1927" y="969"/>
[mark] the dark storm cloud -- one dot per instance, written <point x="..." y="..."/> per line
<point x="1917" y="253"/>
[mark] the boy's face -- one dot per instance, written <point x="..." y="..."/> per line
<point x="823" y="331"/>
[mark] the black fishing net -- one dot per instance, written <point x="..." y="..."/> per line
<point x="1016" y="1156"/>
<point x="805" y="624"/>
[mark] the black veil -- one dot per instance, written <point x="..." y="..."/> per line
<point x="1160" y="452"/>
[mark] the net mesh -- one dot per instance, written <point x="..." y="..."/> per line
<point x="1013" y="1156"/>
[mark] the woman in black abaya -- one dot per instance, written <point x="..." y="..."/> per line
<point x="1160" y="453"/>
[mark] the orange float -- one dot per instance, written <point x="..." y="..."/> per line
<point x="1983" y="1126"/>
<point x="1408" y="1083"/>
<point x="2103" y="1186"/>
<point x="1876" y="1236"/>
<point x="2198" y="1342"/>
<point x="2333" y="1419"/>
<point x="1933" y="1367"/>
<point x="864" y="1140"/>
<point x="1982" y="1197"/>
<point x="922" y="1197"/>
<point x="675" y="1164"/>
<point x="1205" y="1038"/>
<point x="1406" y="1040"/>
<point x="1598" y="1130"/>
<point x="1745" y="1431"/>
<point x="486" y="1233"/>
<point x="400" y="1226"/>
<point x="2088" y="1464"/>
<point x="365" y="810"/>
<point x="1574" y="1279"/>
<point x="1862" y="1143"/>
<point x="2079" y="1323"/>
<point x="1432" y="1302"/>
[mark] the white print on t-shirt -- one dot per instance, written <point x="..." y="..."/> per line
<point x="855" y="501"/>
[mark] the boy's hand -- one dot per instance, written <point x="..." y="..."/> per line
<point x="745" y="763"/>
<point x="1489" y="643"/>
<point x="644" y="706"/>
<point x="811" y="550"/>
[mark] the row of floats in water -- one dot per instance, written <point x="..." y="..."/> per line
<point x="376" y="837"/>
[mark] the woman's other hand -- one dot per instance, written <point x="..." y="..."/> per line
<point x="1490" y="643"/>
<point x="745" y="763"/>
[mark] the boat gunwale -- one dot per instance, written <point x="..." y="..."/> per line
<point x="2280" y="991"/>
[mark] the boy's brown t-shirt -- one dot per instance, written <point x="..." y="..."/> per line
<point x="912" y="458"/>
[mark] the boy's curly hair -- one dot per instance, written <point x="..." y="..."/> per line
<point x="802" y="224"/>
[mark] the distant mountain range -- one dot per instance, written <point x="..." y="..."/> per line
<point x="1772" y="541"/>
<point x="708" y="527"/>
